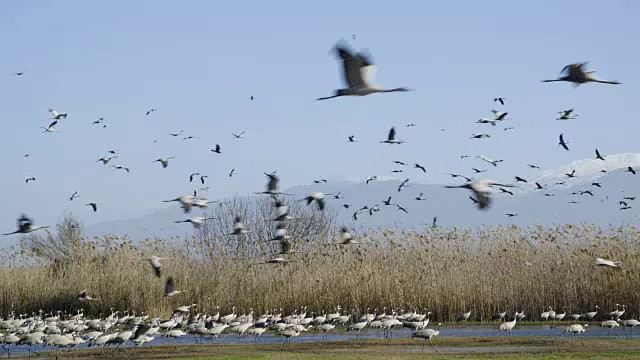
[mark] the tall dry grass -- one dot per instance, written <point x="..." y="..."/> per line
<point x="446" y="270"/>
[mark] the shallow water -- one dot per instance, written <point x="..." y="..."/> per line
<point x="339" y="334"/>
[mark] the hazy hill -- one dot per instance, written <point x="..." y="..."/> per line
<point x="452" y="206"/>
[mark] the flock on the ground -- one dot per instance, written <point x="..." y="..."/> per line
<point x="71" y="330"/>
<point x="357" y="67"/>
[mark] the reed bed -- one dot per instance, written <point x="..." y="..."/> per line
<point x="447" y="271"/>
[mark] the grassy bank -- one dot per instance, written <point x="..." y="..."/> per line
<point x="445" y="270"/>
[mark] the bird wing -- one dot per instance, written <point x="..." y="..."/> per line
<point x="273" y="183"/>
<point x="141" y="330"/>
<point x="367" y="73"/>
<point x="53" y="124"/>
<point x="566" y="68"/>
<point x="392" y="134"/>
<point x="170" y="286"/>
<point x="350" y="65"/>
<point x="483" y="199"/>
<point x="285" y="246"/>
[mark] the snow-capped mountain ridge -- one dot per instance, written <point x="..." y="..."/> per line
<point x="589" y="170"/>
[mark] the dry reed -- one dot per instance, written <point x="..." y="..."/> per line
<point x="445" y="270"/>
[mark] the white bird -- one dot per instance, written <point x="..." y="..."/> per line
<point x="391" y="137"/>
<point x="318" y="197"/>
<point x="25" y="226"/>
<point x="618" y="313"/>
<point x="275" y="260"/>
<point x="141" y="339"/>
<point x="508" y="325"/>
<point x="164" y="161"/>
<point x="610" y="324"/>
<point x="184" y="309"/>
<point x="196" y="221"/>
<point x="280" y="234"/>
<point x="285" y="248"/>
<point x="490" y="161"/>
<point x="283" y="211"/>
<point x="499" y="116"/>
<point x="186" y="201"/>
<point x="590" y="315"/>
<point x="84" y="297"/>
<point x="576" y="74"/>
<point x="487" y="121"/>
<point x="576" y="328"/>
<point x="120" y="167"/>
<point x="288" y="334"/>
<point x="346" y="237"/>
<point x="463" y="317"/>
<point x="326" y="328"/>
<point x="480" y="136"/>
<point x="256" y="331"/>
<point x="175" y="333"/>
<point x="202" y="202"/>
<point x="358" y="326"/>
<point x="566" y="115"/>
<point x="56" y="115"/>
<point x="427" y="334"/>
<point x="606" y="263"/>
<point x="481" y="189"/>
<point x="170" y="288"/>
<point x="155" y="263"/>
<point x="238" y="227"/>
<point x="357" y="69"/>
<point x="50" y="128"/>
<point x="630" y="323"/>
<point x="273" y="186"/>
<point x="105" y="159"/>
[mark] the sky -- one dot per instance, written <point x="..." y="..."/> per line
<point x="198" y="63"/>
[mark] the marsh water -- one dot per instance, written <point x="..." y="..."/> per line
<point x="339" y="334"/>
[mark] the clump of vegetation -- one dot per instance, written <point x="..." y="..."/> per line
<point x="447" y="271"/>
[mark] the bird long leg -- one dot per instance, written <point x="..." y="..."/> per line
<point x="433" y="346"/>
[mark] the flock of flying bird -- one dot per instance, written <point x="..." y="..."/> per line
<point x="356" y="71"/>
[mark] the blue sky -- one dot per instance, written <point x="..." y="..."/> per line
<point x="198" y="62"/>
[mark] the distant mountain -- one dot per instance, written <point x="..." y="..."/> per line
<point x="452" y="207"/>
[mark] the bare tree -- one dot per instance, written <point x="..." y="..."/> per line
<point x="57" y="250"/>
<point x="309" y="227"/>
